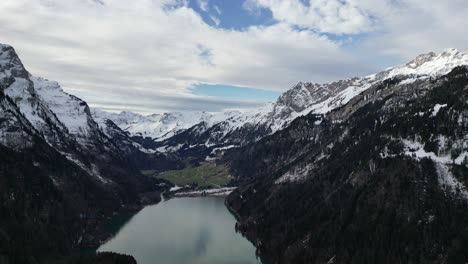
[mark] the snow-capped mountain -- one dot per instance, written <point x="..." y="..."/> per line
<point x="354" y="154"/>
<point x="386" y="168"/>
<point x="203" y="133"/>
<point x="61" y="176"/>
<point x="159" y="127"/>
<point x="307" y="97"/>
<point x="71" y="111"/>
<point x="62" y="120"/>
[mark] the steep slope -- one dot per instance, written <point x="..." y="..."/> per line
<point x="381" y="179"/>
<point x="66" y="123"/>
<point x="15" y="132"/>
<point x="139" y="157"/>
<point x="205" y="138"/>
<point x="42" y="193"/>
<point x="60" y="175"/>
<point x="305" y="98"/>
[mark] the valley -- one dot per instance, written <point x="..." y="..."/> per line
<point x="371" y="167"/>
<point x="206" y="175"/>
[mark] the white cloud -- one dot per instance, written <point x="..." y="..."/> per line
<point x="145" y="48"/>
<point x="145" y="54"/>
<point x="414" y="26"/>
<point x="215" y="19"/>
<point x="217" y="9"/>
<point x="328" y="16"/>
<point x="203" y="4"/>
<point x="399" y="28"/>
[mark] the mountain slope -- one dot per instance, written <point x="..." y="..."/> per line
<point x="159" y="127"/>
<point x="206" y="138"/>
<point x="42" y="193"/>
<point x="60" y="175"/>
<point x="138" y="156"/>
<point x="66" y="123"/>
<point x="305" y="98"/>
<point x="381" y="179"/>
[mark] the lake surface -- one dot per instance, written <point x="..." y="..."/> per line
<point x="181" y="231"/>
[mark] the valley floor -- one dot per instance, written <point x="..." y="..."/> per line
<point x="207" y="175"/>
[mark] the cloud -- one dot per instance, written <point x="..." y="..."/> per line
<point x="411" y="27"/>
<point x="328" y="16"/>
<point x="161" y="47"/>
<point x="203" y="4"/>
<point x="217" y="9"/>
<point x="398" y="28"/>
<point x="146" y="54"/>
<point x="215" y="19"/>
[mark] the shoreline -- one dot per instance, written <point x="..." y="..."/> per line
<point x="105" y="228"/>
<point x="219" y="192"/>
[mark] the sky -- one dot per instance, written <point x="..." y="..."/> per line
<point x="153" y="56"/>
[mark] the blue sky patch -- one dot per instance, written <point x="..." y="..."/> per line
<point x="231" y="14"/>
<point x="234" y="92"/>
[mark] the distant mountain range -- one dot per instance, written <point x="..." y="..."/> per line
<point x="371" y="169"/>
<point x="203" y="132"/>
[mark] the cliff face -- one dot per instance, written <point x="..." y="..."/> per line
<point x="381" y="179"/>
<point x="60" y="175"/>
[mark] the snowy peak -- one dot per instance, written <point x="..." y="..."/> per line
<point x="306" y="97"/>
<point x="56" y="114"/>
<point x="430" y="64"/>
<point x="420" y="60"/>
<point x="17" y="85"/>
<point x="159" y="126"/>
<point x="300" y="96"/>
<point x="63" y="120"/>
<point x="296" y="98"/>
<point x="73" y="112"/>
<point x="10" y="64"/>
<point x="301" y="99"/>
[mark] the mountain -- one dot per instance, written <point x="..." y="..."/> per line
<point x="159" y="127"/>
<point x="366" y="170"/>
<point x="61" y="175"/>
<point x="66" y="123"/>
<point x="307" y="97"/>
<point x="138" y="156"/>
<point x="381" y="178"/>
<point x="207" y="136"/>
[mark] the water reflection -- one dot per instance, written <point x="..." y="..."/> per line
<point x="184" y="230"/>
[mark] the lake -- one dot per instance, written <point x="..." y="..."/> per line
<point x="183" y="230"/>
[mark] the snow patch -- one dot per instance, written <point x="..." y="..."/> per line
<point x="175" y="188"/>
<point x="446" y="178"/>
<point x="70" y="110"/>
<point x="436" y="109"/>
<point x="209" y="192"/>
<point x="223" y="148"/>
<point x="295" y="175"/>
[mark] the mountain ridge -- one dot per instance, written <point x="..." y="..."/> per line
<point x="382" y="179"/>
<point x="321" y="154"/>
<point x="301" y="99"/>
<point x="63" y="176"/>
